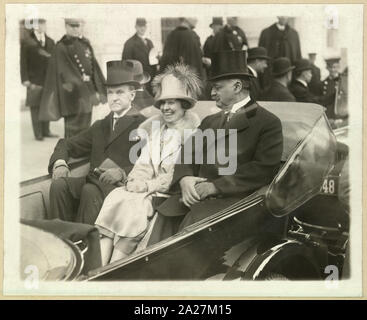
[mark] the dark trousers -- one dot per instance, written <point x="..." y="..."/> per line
<point x="76" y="123"/>
<point x="40" y="128"/>
<point x="74" y="199"/>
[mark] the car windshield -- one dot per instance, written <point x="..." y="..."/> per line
<point x="309" y="153"/>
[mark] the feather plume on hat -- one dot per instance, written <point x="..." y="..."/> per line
<point x="187" y="85"/>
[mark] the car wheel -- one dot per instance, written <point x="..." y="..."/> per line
<point x="276" y="276"/>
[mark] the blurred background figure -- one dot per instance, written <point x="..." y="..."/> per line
<point x="35" y="52"/>
<point x="74" y="82"/>
<point x="230" y="37"/>
<point x="183" y="45"/>
<point x="281" y="40"/>
<point x="138" y="47"/>
<point x="315" y="83"/>
<point x="330" y="85"/>
<point x="282" y="77"/>
<point x="257" y="62"/>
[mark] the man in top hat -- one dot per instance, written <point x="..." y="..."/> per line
<point x="282" y="77"/>
<point x="230" y="37"/>
<point x="138" y="48"/>
<point x="299" y="86"/>
<point x="35" y="53"/>
<point x="257" y="62"/>
<point x="183" y="45"/>
<point x="315" y="84"/>
<point x="106" y="143"/>
<point x="329" y="85"/>
<point x="204" y="188"/>
<point x="74" y="81"/>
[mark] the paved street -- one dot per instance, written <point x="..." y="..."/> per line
<point x="35" y="154"/>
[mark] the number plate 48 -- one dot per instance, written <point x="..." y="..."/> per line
<point x="330" y="186"/>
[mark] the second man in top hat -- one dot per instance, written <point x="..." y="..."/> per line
<point x="256" y="155"/>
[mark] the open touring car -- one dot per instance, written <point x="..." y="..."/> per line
<point x="302" y="226"/>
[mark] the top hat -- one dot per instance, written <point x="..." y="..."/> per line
<point x="139" y="74"/>
<point x="141" y="22"/>
<point x="121" y="72"/>
<point x="281" y="66"/>
<point x="74" y="21"/>
<point x="177" y="82"/>
<point x="257" y="53"/>
<point x="302" y="65"/>
<point x="216" y="21"/>
<point x="229" y="64"/>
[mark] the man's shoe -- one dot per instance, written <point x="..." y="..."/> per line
<point x="50" y="135"/>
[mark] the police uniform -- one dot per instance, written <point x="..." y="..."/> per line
<point x="77" y="78"/>
<point x="329" y="87"/>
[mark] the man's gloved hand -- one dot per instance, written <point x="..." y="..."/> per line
<point x="68" y="86"/>
<point x="189" y="194"/>
<point x="136" y="186"/>
<point x="60" y="172"/>
<point x="206" y="189"/>
<point x="112" y="176"/>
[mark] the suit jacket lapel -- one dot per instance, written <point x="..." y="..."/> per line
<point x="123" y="124"/>
<point x="141" y="43"/>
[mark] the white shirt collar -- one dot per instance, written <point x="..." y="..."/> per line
<point x="280" y="27"/>
<point x="240" y="104"/>
<point x="303" y="82"/>
<point x="252" y="70"/>
<point x="115" y="115"/>
<point x="39" y="35"/>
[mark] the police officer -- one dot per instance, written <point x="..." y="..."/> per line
<point x="76" y="78"/>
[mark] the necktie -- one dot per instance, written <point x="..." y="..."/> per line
<point x="230" y="115"/>
<point x="115" y="119"/>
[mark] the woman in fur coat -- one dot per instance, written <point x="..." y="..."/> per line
<point x="125" y="214"/>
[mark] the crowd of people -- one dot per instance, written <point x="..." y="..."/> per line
<point x="120" y="197"/>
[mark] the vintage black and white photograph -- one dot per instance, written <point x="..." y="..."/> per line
<point x="183" y="149"/>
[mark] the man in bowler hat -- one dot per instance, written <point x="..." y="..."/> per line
<point x="107" y="145"/>
<point x="35" y="53"/>
<point x="202" y="189"/>
<point x="282" y="77"/>
<point x="74" y="81"/>
<point x="138" y="48"/>
<point x="257" y="62"/>
<point x="300" y="84"/>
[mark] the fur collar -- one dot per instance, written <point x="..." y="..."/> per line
<point x="189" y="121"/>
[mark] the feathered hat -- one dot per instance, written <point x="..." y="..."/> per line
<point x="178" y="81"/>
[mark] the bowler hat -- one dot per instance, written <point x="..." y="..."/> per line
<point x="257" y="53"/>
<point x="216" y="21"/>
<point x="281" y="66"/>
<point x="302" y="65"/>
<point x="141" y="22"/>
<point x="139" y="74"/>
<point x="121" y="72"/>
<point x="229" y="64"/>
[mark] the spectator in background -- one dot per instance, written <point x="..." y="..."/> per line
<point x="282" y="77"/>
<point x="257" y="62"/>
<point x="280" y="40"/>
<point x="299" y="86"/>
<point x="35" y="52"/>
<point x="315" y="84"/>
<point x="74" y="81"/>
<point x="230" y="37"/>
<point x="183" y="45"/>
<point x="329" y="85"/>
<point x="138" y="47"/>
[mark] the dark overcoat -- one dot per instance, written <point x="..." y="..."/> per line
<point x="229" y="38"/>
<point x="34" y="60"/>
<point x="315" y="84"/>
<point x="303" y="94"/>
<point x="328" y="88"/>
<point x="255" y="88"/>
<point x="281" y="43"/>
<point x="99" y="142"/>
<point x="259" y="149"/>
<point x="65" y="92"/>
<point x="182" y="45"/>
<point x="136" y="49"/>
<point x="277" y="92"/>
